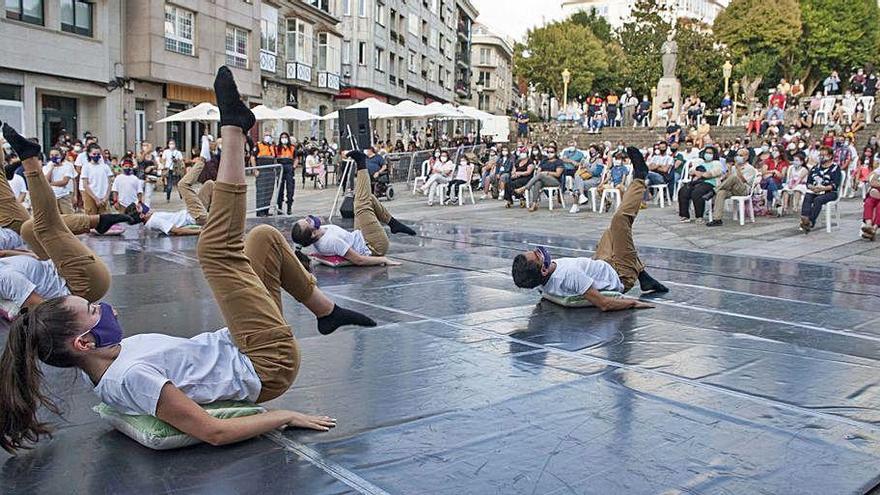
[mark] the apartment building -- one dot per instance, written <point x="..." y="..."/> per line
<point x="492" y="77"/>
<point x="466" y="16"/>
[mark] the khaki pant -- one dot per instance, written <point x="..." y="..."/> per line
<point x="91" y="208"/>
<point x="538" y="183"/>
<point x="77" y="224"/>
<point x="12" y="213"/>
<point x="65" y="205"/>
<point x="251" y="305"/>
<point x="197" y="204"/>
<point x="732" y="185"/>
<point x="370" y="215"/>
<point x="86" y="275"/>
<point x="616" y="247"/>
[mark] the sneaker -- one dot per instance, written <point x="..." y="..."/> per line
<point x="684" y="220"/>
<point x="534" y="207"/>
<point x="644" y="206"/>
<point x="483" y="197"/>
<point x="582" y="200"/>
<point x="574" y="209"/>
<point x="715" y="223"/>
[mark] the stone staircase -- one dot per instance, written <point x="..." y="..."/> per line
<point x="647" y="136"/>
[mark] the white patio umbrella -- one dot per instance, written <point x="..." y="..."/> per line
<point x="290" y="113"/>
<point x="201" y="112"/>
<point x="446" y="111"/>
<point x="415" y="110"/>
<point x="475" y="113"/>
<point x="378" y="110"/>
<point x="262" y="112"/>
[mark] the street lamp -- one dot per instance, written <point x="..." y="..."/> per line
<point x="735" y="96"/>
<point x="727" y="68"/>
<point x="566" y="78"/>
<point x="480" y="89"/>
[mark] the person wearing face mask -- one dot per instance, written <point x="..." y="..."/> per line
<point x="464" y="173"/>
<point x="794" y="188"/>
<point x="255" y="358"/>
<point x="519" y="177"/>
<point x="572" y="158"/>
<point x="488" y="177"/>
<point x="440" y="175"/>
<point x="286" y="151"/>
<point x="550" y="171"/>
<point x="94" y="182"/>
<point x="871" y="212"/>
<point x="169" y="165"/>
<point x="737" y="183"/>
<point x="773" y="172"/>
<point x="127" y="189"/>
<point x="265" y="178"/>
<point x="505" y="163"/>
<point x="823" y="185"/>
<point x="701" y="186"/>
<point x="615" y="267"/>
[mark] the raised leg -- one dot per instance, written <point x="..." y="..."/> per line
<point x="370" y="215"/>
<point x="77" y="224"/>
<point x="194" y="202"/>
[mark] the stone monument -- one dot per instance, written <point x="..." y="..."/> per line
<point x="668" y="88"/>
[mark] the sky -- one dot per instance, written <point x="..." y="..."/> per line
<point x="514" y="17"/>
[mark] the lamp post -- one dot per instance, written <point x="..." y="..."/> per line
<point x="735" y="97"/>
<point x="566" y="78"/>
<point x="480" y="88"/>
<point x="727" y="68"/>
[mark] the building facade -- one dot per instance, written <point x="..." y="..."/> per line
<point x="492" y="76"/>
<point x="617" y="12"/>
<point x="464" y="30"/>
<point x="62" y="69"/>
<point x="301" y="60"/>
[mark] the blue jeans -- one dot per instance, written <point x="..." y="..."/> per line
<point x="653" y="179"/>
<point x="771" y="187"/>
<point x="813" y="204"/>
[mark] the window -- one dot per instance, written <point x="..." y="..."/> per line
<point x="269" y="30"/>
<point x="434" y="38"/>
<point x="485" y="78"/>
<point x="179" y="29"/>
<point x="412" y="62"/>
<point x="379" y="60"/>
<point x="414" y="24"/>
<point x="485" y="56"/>
<point x="76" y="17"/>
<point x="299" y="41"/>
<point x="11" y="108"/>
<point x="328" y="53"/>
<point x="236" y="47"/>
<point x="362" y="8"/>
<point x="346" y="7"/>
<point x="25" y="10"/>
<point x="346" y="52"/>
<point x="380" y="13"/>
<point x="362" y="53"/>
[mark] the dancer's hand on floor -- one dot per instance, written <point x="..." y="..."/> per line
<point x="642" y="305"/>
<point x="320" y="423"/>
<point x="390" y="262"/>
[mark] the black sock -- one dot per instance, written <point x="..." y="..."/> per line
<point x="340" y="317"/>
<point x="399" y="228"/>
<point x="648" y="284"/>
<point x="640" y="168"/>
<point x="233" y="111"/>
<point x="24" y="148"/>
<point x="110" y="219"/>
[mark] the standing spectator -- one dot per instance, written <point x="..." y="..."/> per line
<point x="822" y="186"/>
<point x="612" y="104"/>
<point x="832" y="84"/>
<point x="628" y="103"/>
<point x="643" y="112"/>
<point x="265" y="178"/>
<point x="95" y="183"/>
<point x="286" y="151"/>
<point x="857" y="82"/>
<point x="127" y="188"/>
<point x="172" y="160"/>
<point x="147" y="171"/>
<point x="61" y="174"/>
<point x="522" y="122"/>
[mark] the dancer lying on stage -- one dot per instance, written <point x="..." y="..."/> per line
<point x="368" y="243"/>
<point x="184" y="222"/>
<point x="615" y="267"/>
<point x="256" y="358"/>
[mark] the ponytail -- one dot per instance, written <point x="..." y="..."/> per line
<point x="43" y="334"/>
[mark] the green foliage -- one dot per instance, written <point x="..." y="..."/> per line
<point x="595" y="23"/>
<point x="641" y="40"/>
<point x="699" y="67"/>
<point x="558" y="46"/>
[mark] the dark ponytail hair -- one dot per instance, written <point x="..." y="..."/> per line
<point x="302" y="238"/>
<point x="42" y="333"/>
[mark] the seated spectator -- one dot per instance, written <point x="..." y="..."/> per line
<point x="804" y="119"/>
<point x="858" y="118"/>
<point x="725" y="112"/>
<point x="587" y="176"/>
<point x="549" y="174"/>
<point x="701" y="135"/>
<point x="659" y="170"/>
<point x="823" y="183"/>
<point x="871" y="215"/>
<point x="857" y="82"/>
<point x="795" y="187"/>
<point x="838" y="117"/>
<point x="666" y="109"/>
<point x="832" y="84"/>
<point x="487" y="172"/>
<point x="615" y="177"/>
<point x="754" y="124"/>
<point x="866" y="165"/>
<point x="871" y="84"/>
<point x="572" y="158"/>
<point x="773" y="167"/>
<point x="440" y="175"/>
<point x="773" y="120"/>
<point x="797" y="90"/>
<point x="464" y="173"/>
<point x="643" y="112"/>
<point x="701" y="186"/>
<point x="777" y="98"/>
<point x="737" y="183"/>
<point x="673" y="132"/>
<point x="519" y="177"/>
<point x="783" y="88"/>
<point x="504" y="165"/>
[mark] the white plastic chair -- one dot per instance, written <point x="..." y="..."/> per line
<point x="611" y="193"/>
<point x="833" y="205"/>
<point x="740" y="202"/>
<point x="849" y="108"/>
<point x="664" y="196"/>
<point x="685" y="175"/>
<point x="826" y="106"/>
<point x="868" y="102"/>
<point x="420" y="180"/>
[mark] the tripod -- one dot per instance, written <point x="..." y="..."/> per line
<point x="346" y="171"/>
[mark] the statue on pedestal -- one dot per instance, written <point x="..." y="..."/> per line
<point x="670" y="55"/>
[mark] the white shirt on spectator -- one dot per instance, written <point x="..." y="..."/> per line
<point x="82" y="160"/>
<point x="58" y="173"/>
<point x="98" y="175"/>
<point x="127" y="188"/>
<point x="575" y="276"/>
<point x="18" y="186"/>
<point x="168" y="157"/>
<point x="337" y="241"/>
<point x="164" y="221"/>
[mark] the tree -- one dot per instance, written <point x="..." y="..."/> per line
<point x="836" y="35"/>
<point x="700" y="73"/>
<point x="760" y="36"/>
<point x="557" y="46"/>
<point x="595" y="23"/>
<point x="641" y="40"/>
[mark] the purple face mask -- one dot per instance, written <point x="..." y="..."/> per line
<point x="545" y="255"/>
<point x="107" y="331"/>
<point x="315" y="221"/>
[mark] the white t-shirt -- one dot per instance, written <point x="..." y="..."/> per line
<point x="164" y="221"/>
<point x="99" y="178"/>
<point x="206" y="368"/>
<point x="21" y="275"/>
<point x="337" y="240"/>
<point x="127" y="188"/>
<point x="575" y="276"/>
<point x="82" y="160"/>
<point x="58" y="173"/>
<point x="10" y="240"/>
<point x="18" y="186"/>
<point x="168" y="157"/>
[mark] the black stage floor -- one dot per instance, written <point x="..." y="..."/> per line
<point x="751" y="376"/>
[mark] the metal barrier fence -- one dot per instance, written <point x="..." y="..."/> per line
<point x="266" y="183"/>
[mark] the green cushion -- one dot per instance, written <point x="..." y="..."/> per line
<point x="153" y="433"/>
<point x="577" y="301"/>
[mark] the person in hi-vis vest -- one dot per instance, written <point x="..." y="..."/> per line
<point x="265" y="177"/>
<point x="286" y="153"/>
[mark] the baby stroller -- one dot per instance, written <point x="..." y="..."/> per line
<point x="382" y="187"/>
